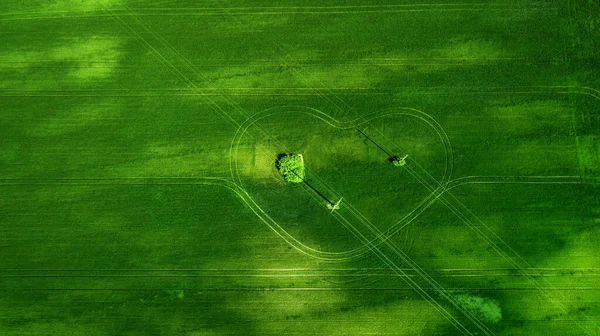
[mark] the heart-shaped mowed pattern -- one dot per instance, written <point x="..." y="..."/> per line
<point x="348" y="160"/>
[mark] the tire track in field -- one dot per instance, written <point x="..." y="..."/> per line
<point x="497" y="247"/>
<point x="407" y="261"/>
<point x="300" y="272"/>
<point x="181" y="75"/>
<point x="339" y="256"/>
<point x="277" y="10"/>
<point x="248" y="91"/>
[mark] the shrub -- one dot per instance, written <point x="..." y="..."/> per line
<point x="398" y="162"/>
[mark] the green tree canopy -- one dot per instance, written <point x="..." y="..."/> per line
<point x="291" y="166"/>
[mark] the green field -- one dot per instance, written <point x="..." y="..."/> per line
<point x="139" y="192"/>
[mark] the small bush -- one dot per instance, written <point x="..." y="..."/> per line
<point x="398" y="162"/>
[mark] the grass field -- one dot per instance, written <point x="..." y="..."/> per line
<point x="139" y="194"/>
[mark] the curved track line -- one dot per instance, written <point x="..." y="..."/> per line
<point x="276" y="227"/>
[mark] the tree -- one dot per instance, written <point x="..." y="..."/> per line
<point x="291" y="166"/>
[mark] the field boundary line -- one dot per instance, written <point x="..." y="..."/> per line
<point x="227" y="12"/>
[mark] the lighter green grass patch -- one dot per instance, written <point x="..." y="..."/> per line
<point x="457" y="53"/>
<point x="94" y="57"/>
<point x="20" y="59"/>
<point x="166" y="150"/>
<point x="206" y="332"/>
<point x="199" y="164"/>
<point x="78" y="60"/>
<point x="456" y="247"/>
<point x="408" y="317"/>
<point x="588" y="152"/>
<point x="71" y="328"/>
<point x="293" y="74"/>
<point x="297" y="304"/>
<point x="481" y="49"/>
<point x="581" y="251"/>
<point x="539" y="115"/>
<point x="74" y="119"/>
<point x="78" y="5"/>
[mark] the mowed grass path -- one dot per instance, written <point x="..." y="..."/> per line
<point x="97" y="95"/>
